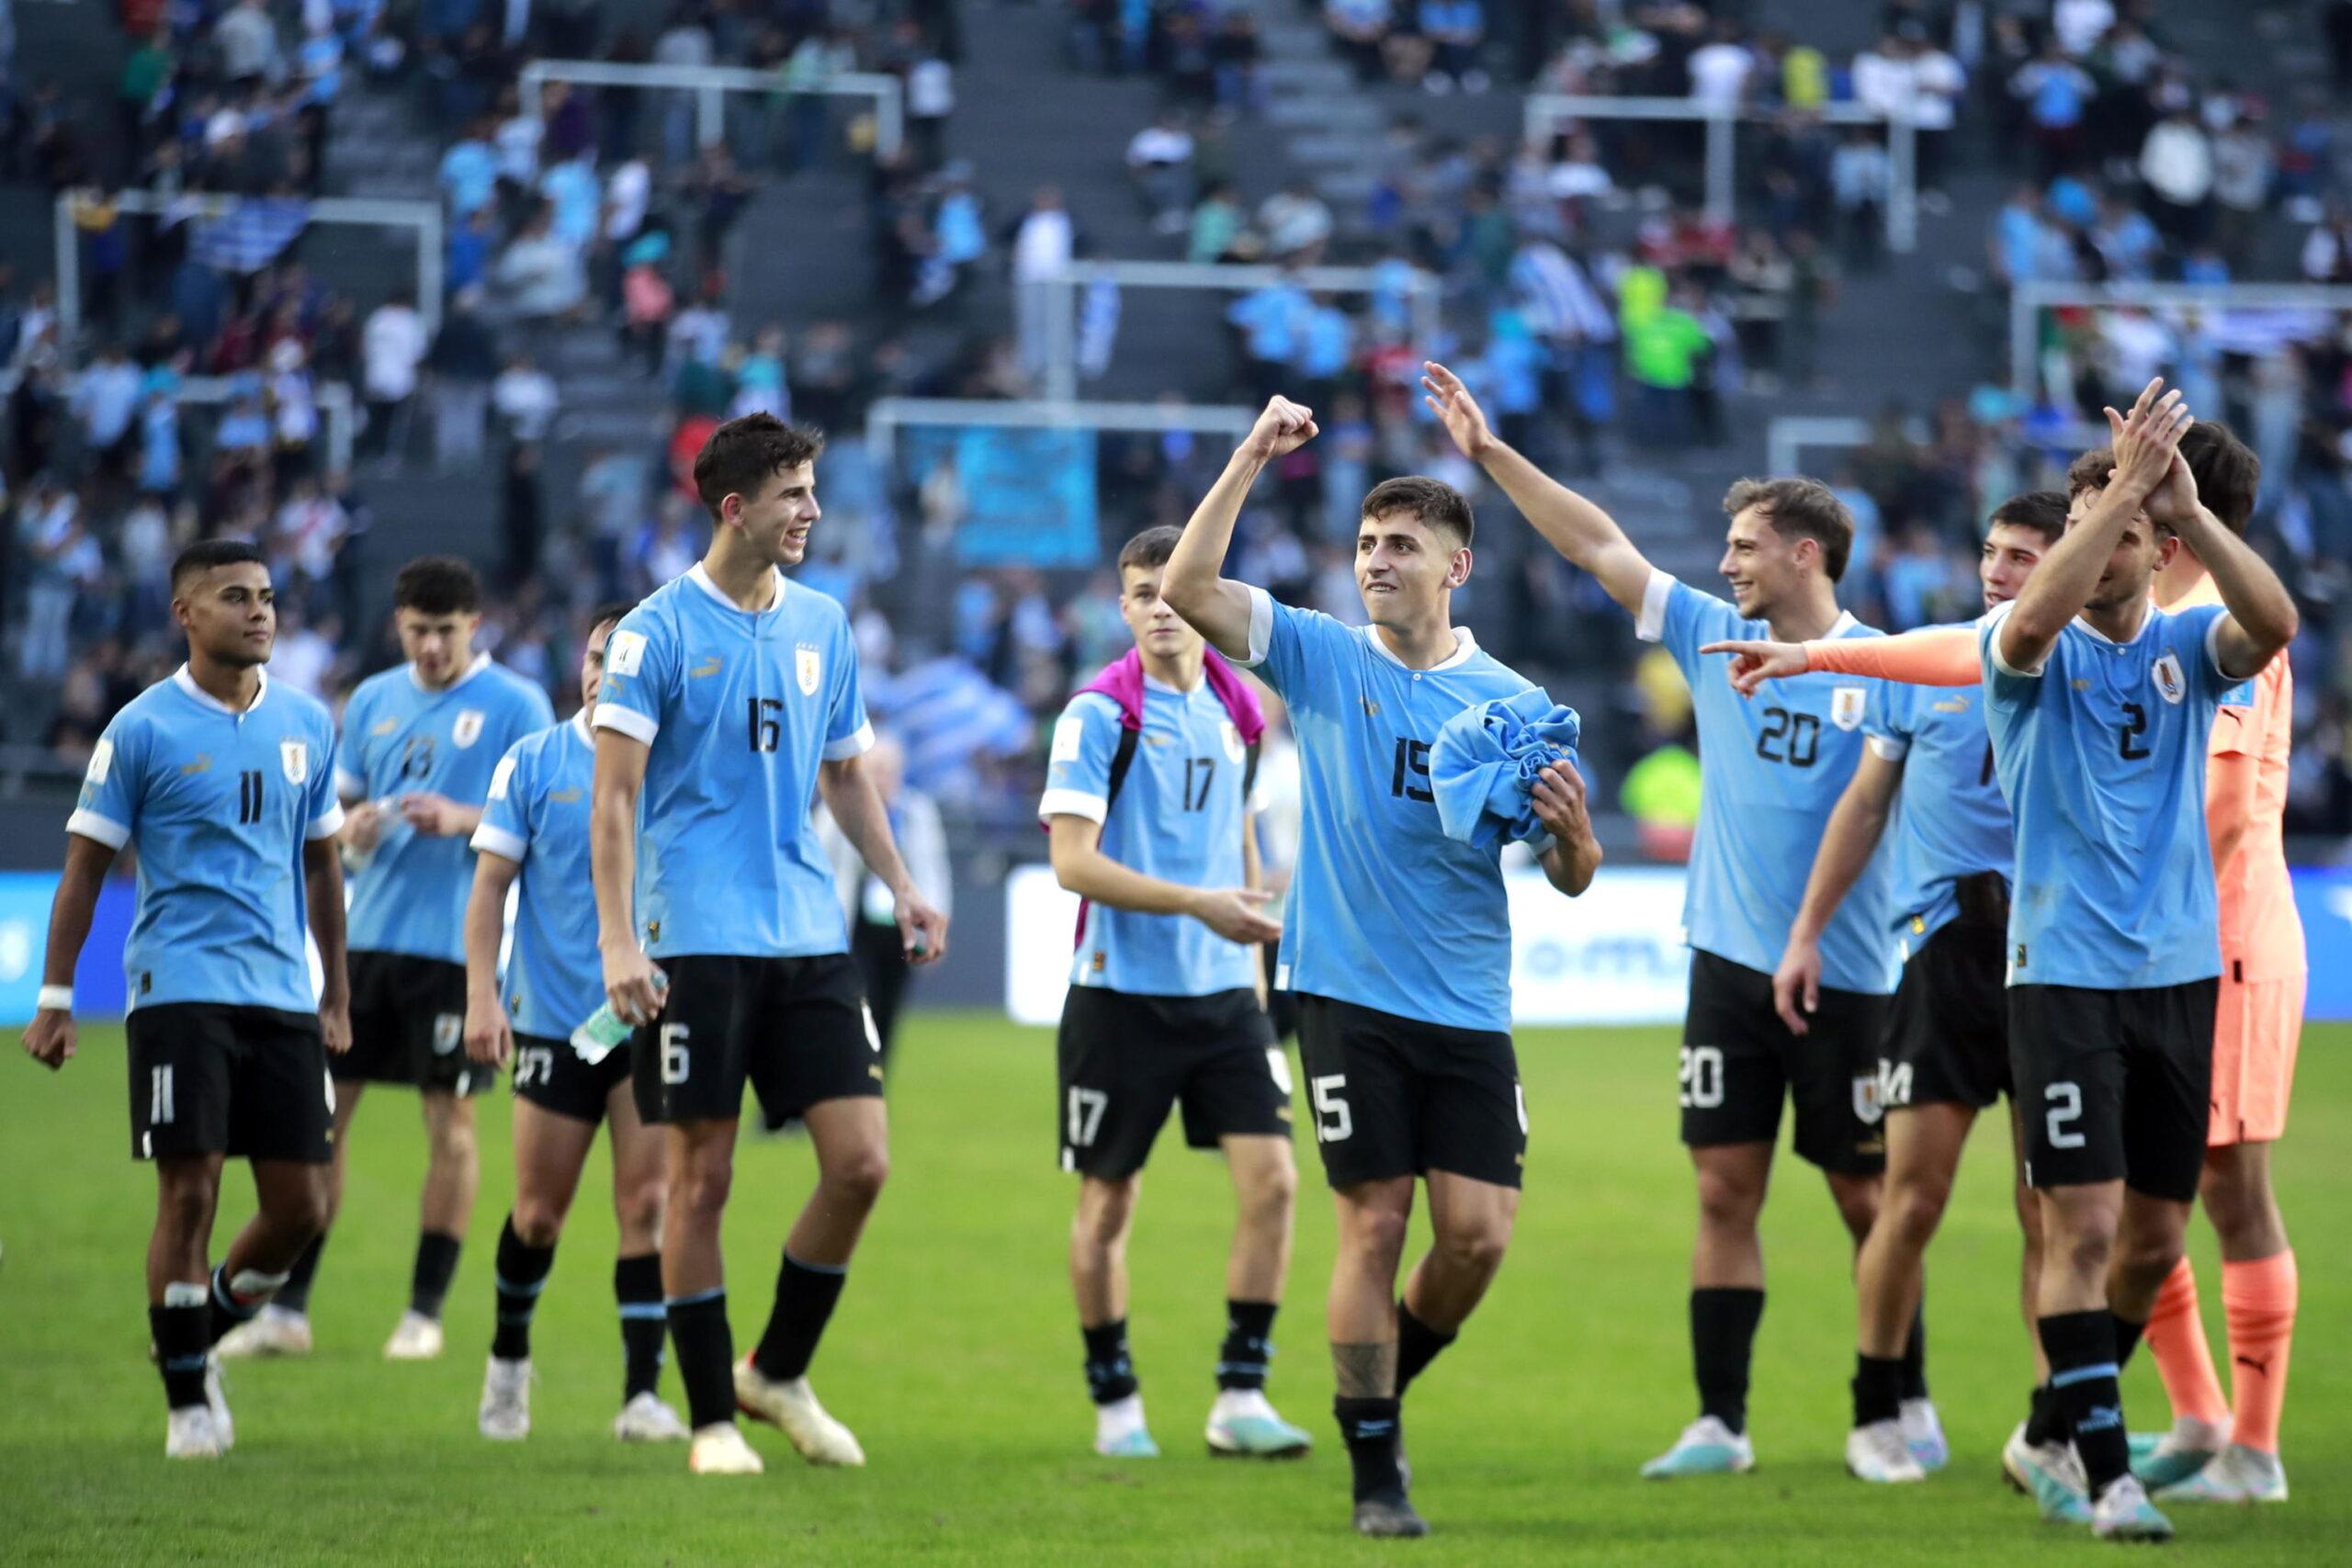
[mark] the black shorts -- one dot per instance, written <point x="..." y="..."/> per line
<point x="1124" y="1060"/>
<point x="1740" y="1061"/>
<point x="2115" y="1085"/>
<point x="796" y="1028"/>
<point x="247" y="1082"/>
<point x="1394" y="1096"/>
<point x="1947" y="1032"/>
<point x="408" y="1025"/>
<point x="551" y="1074"/>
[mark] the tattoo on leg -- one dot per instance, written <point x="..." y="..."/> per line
<point x="1365" y="1372"/>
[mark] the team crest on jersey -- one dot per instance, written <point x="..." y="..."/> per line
<point x="467" y="730"/>
<point x="1234" y="749"/>
<point x="1868" y="1108"/>
<point x="294" y="758"/>
<point x="808" y="665"/>
<point x="2170" y="683"/>
<point x="1845" y="706"/>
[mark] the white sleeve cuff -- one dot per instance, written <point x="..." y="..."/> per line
<point x="348" y="785"/>
<point x="99" y="829"/>
<point x="1262" y="630"/>
<point x="1994" y="621"/>
<point x="849" y="746"/>
<point x="639" y="727"/>
<point x="500" y="842"/>
<point x="2213" y="651"/>
<point x="326" y="825"/>
<point x="1887" y="749"/>
<point x="1072" y="803"/>
<point x="1650" y="624"/>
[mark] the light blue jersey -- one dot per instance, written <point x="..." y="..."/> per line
<point x="399" y="738"/>
<point x="1952" y="819"/>
<point x="1179" y="816"/>
<point x="738" y="709"/>
<point x="2101" y="753"/>
<point x="1770" y="771"/>
<point x="1384" y="911"/>
<point x="538" y="816"/>
<point x="219" y="805"/>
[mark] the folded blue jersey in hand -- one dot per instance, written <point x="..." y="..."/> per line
<point x="1483" y="768"/>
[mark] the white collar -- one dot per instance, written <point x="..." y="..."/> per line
<point x="1841" y="625"/>
<point x="578" y="722"/>
<point x="186" y="683"/>
<point x="2145" y="622"/>
<point x="481" y="663"/>
<point x="1464" y="645"/>
<point x="701" y="579"/>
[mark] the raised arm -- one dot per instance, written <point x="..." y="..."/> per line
<point x="322" y="890"/>
<point x="1932" y="656"/>
<point x="612" y="863"/>
<point x="2262" y="617"/>
<point x="1582" y="532"/>
<point x="1236" y="914"/>
<point x="858" y="811"/>
<point x="1193" y="584"/>
<point x="1855" y="827"/>
<point x="49" y="1039"/>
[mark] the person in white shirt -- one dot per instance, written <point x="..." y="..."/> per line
<point x="1720" y="70"/>
<point x="1043" y="244"/>
<point x="391" y="345"/>
<point x="1159" y="161"/>
<point x="526" y="398"/>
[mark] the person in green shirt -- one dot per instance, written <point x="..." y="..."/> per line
<point x="1663" y="348"/>
<point x="143" y="76"/>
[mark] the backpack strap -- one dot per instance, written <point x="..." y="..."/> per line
<point x="1121" y="760"/>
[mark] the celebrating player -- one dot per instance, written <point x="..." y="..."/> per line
<point x="1398" y="938"/>
<point x="730" y="699"/>
<point x="1773" y="773"/>
<point x="1149" y="800"/>
<point x="227" y="788"/>
<point x="421" y="742"/>
<point x="535" y="830"/>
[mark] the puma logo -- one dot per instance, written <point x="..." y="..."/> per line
<point x="707" y="667"/>
<point x="2261" y="1368"/>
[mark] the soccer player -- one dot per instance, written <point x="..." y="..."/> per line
<point x="1396" y="938"/>
<point x="1773" y="773"/>
<point x="2101" y="706"/>
<point x="421" y="741"/>
<point x="1150" y="801"/>
<point x="535" y="830"/>
<point x="730" y="699"/>
<point x="226" y="786"/>
<point x="1946" y="1053"/>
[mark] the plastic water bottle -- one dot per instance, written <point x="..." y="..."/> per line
<point x="605" y="1030"/>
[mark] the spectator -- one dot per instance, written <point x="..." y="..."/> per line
<point x="160" y="459"/>
<point x="1720" y="70"/>
<point x="1235" y="52"/>
<point x="1159" y="162"/>
<point x="521" y="529"/>
<point x="525" y="399"/>
<point x="1859" y="175"/>
<point x="2128" y="244"/>
<point x="931" y="102"/>
<point x="2055" y="92"/>
<point x="647" y="300"/>
<point x="106" y="401"/>
<point x="245" y="40"/>
<point x="391" y="346"/>
<point x="1456" y="30"/>
<point x="1045" y="241"/>
<point x="2176" y="162"/>
<point x="540" y="277"/>
<point x="62" y="557"/>
<point x="469" y="176"/>
<point x="1295" y="222"/>
<point x="1361" y="29"/>
<point x="464" y="361"/>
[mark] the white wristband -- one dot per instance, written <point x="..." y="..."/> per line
<point x="55" y="999"/>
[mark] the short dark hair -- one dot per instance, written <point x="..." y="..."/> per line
<point x="1433" y="503"/>
<point x="1806" y="508"/>
<point x="2090" y="471"/>
<point x="206" y="553"/>
<point x="741" y="454"/>
<point x="2043" y="510"/>
<point x="2227" y="472"/>
<point x="1150" y="548"/>
<point x="610" y="610"/>
<point x="437" y="586"/>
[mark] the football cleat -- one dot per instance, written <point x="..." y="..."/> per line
<point x="2051" y="1475"/>
<point x="1120" y="1432"/>
<point x="2124" y="1513"/>
<point x="793" y="1406"/>
<point x="415" y="1338"/>
<point x="1706" y="1446"/>
<point x="506" y="1400"/>
<point x="2237" y="1474"/>
<point x="2173" y="1457"/>
<point x="272" y="1331"/>
<point x="192" y="1435"/>
<point x="720" y="1449"/>
<point x="1243" y="1424"/>
<point x="1878" y="1453"/>
<point x="216" y="1399"/>
<point x="1923" y="1431"/>
<point x="1389" y="1521"/>
<point x="645" y="1419"/>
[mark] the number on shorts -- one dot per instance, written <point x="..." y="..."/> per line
<point x="1279" y="1065"/>
<point x="1334" y="1122"/>
<point x="2065" y="1108"/>
<point x="673" y="1053"/>
<point x="1086" y="1108"/>
<point x="534" y="1063"/>
<point x="1702" y="1078"/>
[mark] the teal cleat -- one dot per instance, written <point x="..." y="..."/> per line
<point x="1706" y="1446"/>
<point x="2171" y="1458"/>
<point x="1243" y="1426"/>
<point x="1134" y="1443"/>
<point x="2049" y="1474"/>
<point x="1923" y="1433"/>
<point x="2124" y="1513"/>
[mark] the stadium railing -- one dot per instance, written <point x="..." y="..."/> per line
<point x="2029" y="301"/>
<point x="711" y="84"/>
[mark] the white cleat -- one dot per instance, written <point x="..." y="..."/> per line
<point x="645" y="1419"/>
<point x="1923" y="1432"/>
<point x="192" y="1435"/>
<point x="720" y="1449"/>
<point x="792" y="1407"/>
<point x="416" y="1338"/>
<point x="1707" y="1447"/>
<point x="1120" y="1431"/>
<point x="506" y="1400"/>
<point x="216" y="1400"/>
<point x="2237" y="1474"/>
<point x="272" y="1331"/>
<point x="1880" y="1453"/>
<point x="2124" y="1513"/>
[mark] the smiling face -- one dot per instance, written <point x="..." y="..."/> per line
<point x="1159" y="630"/>
<point x="1404" y="569"/>
<point x="777" y="518"/>
<point x="1763" y="565"/>
<point x="2011" y="552"/>
<point x="2139" y="553"/>
<point x="230" y="612"/>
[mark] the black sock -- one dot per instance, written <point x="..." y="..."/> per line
<point x="1110" y="1371"/>
<point x="1417" y="1345"/>
<point x="295" y="1294"/>
<point x="2084" y="1378"/>
<point x="2044" y="1422"/>
<point x="182" y="1327"/>
<point x="1878" y="1389"/>
<point x="1371" y="1428"/>
<point x="706" y="1356"/>
<point x="636" y="1286"/>
<point x="522" y="1274"/>
<point x="1248" y="1345"/>
<point x="805" y="1295"/>
<point x="437" y="1264"/>
<point x="1915" y="1358"/>
<point x="1723" y="1336"/>
<point x="227" y="1308"/>
<point x="2127" y="1339"/>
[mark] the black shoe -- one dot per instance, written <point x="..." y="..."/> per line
<point x="1389" y="1520"/>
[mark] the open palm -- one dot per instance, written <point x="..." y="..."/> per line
<point x="1452" y="402"/>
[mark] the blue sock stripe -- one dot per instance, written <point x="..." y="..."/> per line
<point x="184" y="1364"/>
<point x="508" y="1287"/>
<point x="699" y="1297"/>
<point x="515" y="1319"/>
<point x="816" y="1268"/>
<point x="2084" y="1374"/>
<point x="644" y="1311"/>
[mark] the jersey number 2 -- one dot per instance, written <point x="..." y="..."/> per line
<point x="2135" y="724"/>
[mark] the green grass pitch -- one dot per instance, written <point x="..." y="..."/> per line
<point x="955" y="1359"/>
